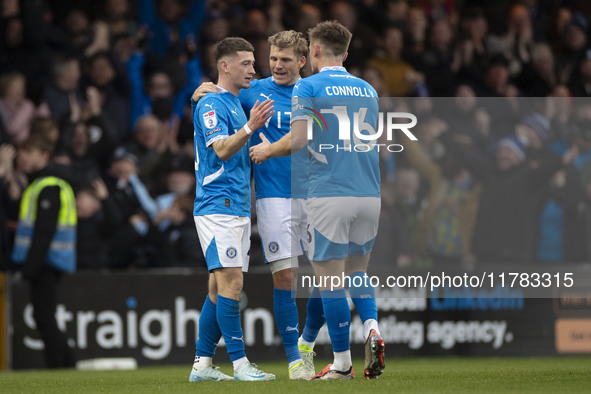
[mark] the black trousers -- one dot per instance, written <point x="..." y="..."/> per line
<point x="44" y="287"/>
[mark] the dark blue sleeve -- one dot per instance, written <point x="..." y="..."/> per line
<point x="147" y="11"/>
<point x="194" y="75"/>
<point x="191" y="24"/>
<point x="159" y="32"/>
<point x="138" y="97"/>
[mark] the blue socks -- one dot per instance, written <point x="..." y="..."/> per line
<point x="209" y="330"/>
<point x="363" y="296"/>
<point x="314" y="317"/>
<point x="228" y="316"/>
<point x="286" y="317"/>
<point x="338" y="318"/>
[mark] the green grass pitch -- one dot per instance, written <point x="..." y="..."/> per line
<point x="412" y="375"/>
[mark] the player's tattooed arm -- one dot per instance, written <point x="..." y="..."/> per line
<point x="259" y="114"/>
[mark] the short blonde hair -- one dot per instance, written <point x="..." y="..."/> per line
<point x="290" y="39"/>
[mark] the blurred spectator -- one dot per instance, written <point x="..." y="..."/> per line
<point x="503" y="105"/>
<point x="374" y="77"/>
<point x="256" y="25"/>
<point x="539" y="77"/>
<point x="118" y="15"/>
<point x="47" y="127"/>
<point x="439" y="9"/>
<point x="276" y="10"/>
<point x="496" y="80"/>
<point x="215" y="29"/>
<point x="180" y="180"/>
<point x="557" y="28"/>
<point x="28" y="41"/>
<point x="87" y="132"/>
<point x="84" y="165"/>
<point x="309" y="16"/>
<point x="446" y="226"/>
<point x="437" y="60"/>
<point x="7" y="155"/>
<point x="148" y="146"/>
<point x="519" y="38"/>
<point x="16" y="111"/>
<point x="176" y="245"/>
<point x="159" y="83"/>
<point x="415" y="34"/>
<point x="507" y="214"/>
<point x="261" y="53"/>
<point x="393" y="246"/>
<point x="468" y="118"/>
<point x="170" y="22"/>
<point x="401" y="79"/>
<point x="585" y="210"/>
<point x="362" y="43"/>
<point x="63" y="88"/>
<point x="127" y="239"/>
<point x="471" y="48"/>
<point x="85" y="37"/>
<point x="574" y="45"/>
<point x="559" y="237"/>
<point x="98" y="215"/>
<point x="559" y="109"/>
<point x="406" y="209"/>
<point x="581" y="133"/>
<point x="396" y="13"/>
<point x="580" y="83"/>
<point x="109" y="77"/>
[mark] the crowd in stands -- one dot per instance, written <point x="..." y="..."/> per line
<point x="502" y="171"/>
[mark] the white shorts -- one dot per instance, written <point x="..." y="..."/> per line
<point x="282" y="225"/>
<point x="225" y="240"/>
<point x="342" y="226"/>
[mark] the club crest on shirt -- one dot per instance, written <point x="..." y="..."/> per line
<point x="210" y="119"/>
<point x="273" y="247"/>
<point x="231" y="252"/>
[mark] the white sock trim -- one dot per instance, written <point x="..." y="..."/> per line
<point x="342" y="361"/>
<point x="301" y="341"/>
<point x="201" y="363"/>
<point x="368" y="325"/>
<point x="239" y="363"/>
<point x="291" y="364"/>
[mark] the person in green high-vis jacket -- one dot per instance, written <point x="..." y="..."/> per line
<point x="45" y="243"/>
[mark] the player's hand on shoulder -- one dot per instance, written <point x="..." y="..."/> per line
<point x="260" y="113"/>
<point x="260" y="152"/>
<point x="203" y="89"/>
